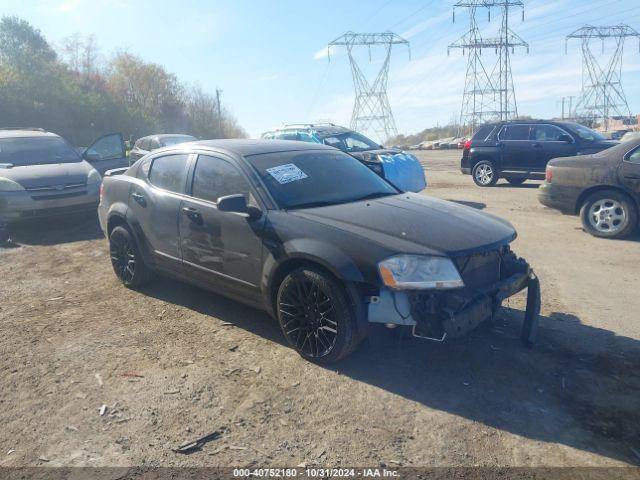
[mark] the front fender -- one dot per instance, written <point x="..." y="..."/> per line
<point x="307" y="249"/>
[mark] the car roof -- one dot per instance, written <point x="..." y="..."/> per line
<point x="245" y="147"/>
<point x="160" y="136"/>
<point x="24" y="133"/>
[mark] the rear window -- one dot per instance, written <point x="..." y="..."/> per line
<point x="36" y="151"/>
<point x="483" y="132"/>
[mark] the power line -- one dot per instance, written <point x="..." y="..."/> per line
<point x="411" y="15"/>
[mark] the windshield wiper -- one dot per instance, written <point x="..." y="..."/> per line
<point x="371" y="196"/>
<point x="320" y="203"/>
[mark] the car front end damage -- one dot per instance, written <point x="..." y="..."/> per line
<point x="451" y="309"/>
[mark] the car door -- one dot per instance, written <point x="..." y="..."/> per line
<point x="106" y="153"/>
<point x="629" y="171"/>
<point x="154" y="206"/>
<point x="551" y="141"/>
<point x="220" y="248"/>
<point x="516" y="147"/>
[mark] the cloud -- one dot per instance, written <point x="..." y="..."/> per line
<point x="325" y="52"/>
<point x="422" y="26"/>
<point x="67" y="6"/>
<point x="267" y="77"/>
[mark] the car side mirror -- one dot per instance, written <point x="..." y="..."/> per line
<point x="565" y="138"/>
<point x="238" y="204"/>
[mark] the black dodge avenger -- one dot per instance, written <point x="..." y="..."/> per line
<point x="315" y="238"/>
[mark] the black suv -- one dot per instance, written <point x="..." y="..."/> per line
<point x="519" y="150"/>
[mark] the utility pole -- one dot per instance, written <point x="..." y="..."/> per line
<point x="371" y="110"/>
<point x="218" y="92"/>
<point x="602" y="95"/>
<point x="488" y="92"/>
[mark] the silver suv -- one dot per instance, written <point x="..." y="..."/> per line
<point x="42" y="175"/>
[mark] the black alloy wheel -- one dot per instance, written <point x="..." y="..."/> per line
<point x="125" y="258"/>
<point x="315" y="317"/>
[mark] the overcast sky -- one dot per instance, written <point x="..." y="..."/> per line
<point x="269" y="57"/>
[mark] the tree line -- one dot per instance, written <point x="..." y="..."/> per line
<point x="71" y="91"/>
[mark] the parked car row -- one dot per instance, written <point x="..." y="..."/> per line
<point x="451" y="143"/>
<point x="584" y="172"/>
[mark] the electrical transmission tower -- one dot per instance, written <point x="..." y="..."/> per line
<point x="602" y="95"/>
<point x="488" y="91"/>
<point x="371" y="110"/>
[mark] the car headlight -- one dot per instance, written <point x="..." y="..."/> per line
<point x="94" y="176"/>
<point x="419" y="272"/>
<point x="7" y="185"/>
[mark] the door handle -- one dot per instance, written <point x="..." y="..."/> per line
<point x="193" y="215"/>
<point x="537" y="145"/>
<point x="139" y="198"/>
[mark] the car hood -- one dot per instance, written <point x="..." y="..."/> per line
<point x="593" y="147"/>
<point x="46" y="175"/>
<point x="437" y="226"/>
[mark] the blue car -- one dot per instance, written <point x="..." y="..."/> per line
<point x="401" y="169"/>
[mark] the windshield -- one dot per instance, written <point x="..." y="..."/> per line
<point x="167" y="141"/>
<point x="586" y="133"/>
<point x="351" y="142"/>
<point x="36" y="151"/>
<point x="312" y="178"/>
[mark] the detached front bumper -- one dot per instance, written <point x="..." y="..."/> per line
<point x="445" y="314"/>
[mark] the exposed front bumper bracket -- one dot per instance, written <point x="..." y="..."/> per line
<point x="438" y="316"/>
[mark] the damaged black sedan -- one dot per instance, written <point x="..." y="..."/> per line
<point x="315" y="238"/>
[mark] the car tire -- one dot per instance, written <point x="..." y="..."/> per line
<point x="608" y="214"/>
<point x="126" y="260"/>
<point x="485" y="173"/>
<point x="516" y="181"/>
<point x="315" y="316"/>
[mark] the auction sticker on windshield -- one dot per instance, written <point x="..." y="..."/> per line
<point x="286" y="173"/>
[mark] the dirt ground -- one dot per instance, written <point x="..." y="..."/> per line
<point x="172" y="363"/>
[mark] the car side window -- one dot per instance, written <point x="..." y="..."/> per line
<point x="214" y="178"/>
<point x="354" y="143"/>
<point x="634" y="157"/>
<point x="306" y="137"/>
<point x="169" y="172"/>
<point x="334" y="142"/>
<point x="548" y="133"/>
<point x="287" y="136"/>
<point x="515" y="132"/>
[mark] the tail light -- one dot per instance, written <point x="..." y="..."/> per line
<point x="548" y="175"/>
<point x="467" y="144"/>
<point x="101" y="191"/>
